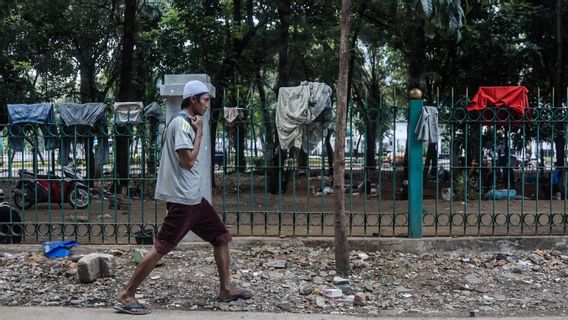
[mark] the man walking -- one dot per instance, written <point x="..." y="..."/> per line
<point x="178" y="185"/>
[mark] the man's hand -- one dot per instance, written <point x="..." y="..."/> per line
<point x="189" y="156"/>
<point x="197" y="125"/>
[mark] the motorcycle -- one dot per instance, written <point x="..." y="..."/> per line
<point x="36" y="188"/>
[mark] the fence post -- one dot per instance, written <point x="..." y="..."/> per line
<point x="415" y="166"/>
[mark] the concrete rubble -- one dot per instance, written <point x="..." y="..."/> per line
<point x="285" y="279"/>
<point x="94" y="266"/>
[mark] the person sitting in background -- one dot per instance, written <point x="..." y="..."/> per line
<point x="549" y="187"/>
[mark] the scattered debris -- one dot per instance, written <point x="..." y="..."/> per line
<point x="285" y="278"/>
<point x="332" y="293"/>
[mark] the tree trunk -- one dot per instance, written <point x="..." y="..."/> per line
<point x="239" y="135"/>
<point x="353" y="44"/>
<point x="265" y="136"/>
<point x="125" y="89"/>
<point x="266" y="122"/>
<point x="127" y="53"/>
<point x="88" y="86"/>
<point x="238" y="43"/>
<point x="302" y="160"/>
<point x="271" y="147"/>
<point x="284" y="14"/>
<point x="356" y="151"/>
<point x="277" y="177"/>
<point x="415" y="57"/>
<point x="342" y="265"/>
<point x="151" y="145"/>
<point x="279" y="155"/>
<point x="216" y="116"/>
<point x="372" y="119"/>
<point x="329" y="152"/>
<point x="210" y="10"/>
<point x="89" y="146"/>
<point x="370" y="147"/>
<point x="473" y="136"/>
<point x="250" y="13"/>
<point x="88" y="92"/>
<point x="560" y="139"/>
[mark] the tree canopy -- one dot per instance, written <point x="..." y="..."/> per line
<point x="72" y="49"/>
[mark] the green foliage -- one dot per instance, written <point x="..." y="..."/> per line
<point x="69" y="50"/>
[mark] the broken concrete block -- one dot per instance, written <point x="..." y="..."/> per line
<point x="94" y="266"/>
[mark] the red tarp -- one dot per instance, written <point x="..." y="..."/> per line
<point x="509" y="96"/>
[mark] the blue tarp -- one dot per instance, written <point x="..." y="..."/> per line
<point x="501" y="194"/>
<point x="91" y="115"/>
<point x="58" y="249"/>
<point x="40" y="113"/>
<point x="82" y="114"/>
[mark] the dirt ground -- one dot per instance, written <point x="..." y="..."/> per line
<point x="291" y="276"/>
<point x="303" y="211"/>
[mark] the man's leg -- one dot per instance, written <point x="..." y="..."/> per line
<point x="223" y="261"/>
<point x="211" y="229"/>
<point x="127" y="296"/>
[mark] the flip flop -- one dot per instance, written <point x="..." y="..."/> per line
<point x="241" y="294"/>
<point x="129" y="309"/>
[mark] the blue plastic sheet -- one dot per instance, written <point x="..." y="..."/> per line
<point x="39" y="113"/>
<point x="501" y="194"/>
<point x="58" y="249"/>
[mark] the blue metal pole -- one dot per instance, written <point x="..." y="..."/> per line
<point x="415" y="166"/>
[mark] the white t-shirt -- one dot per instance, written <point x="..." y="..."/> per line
<point x="175" y="183"/>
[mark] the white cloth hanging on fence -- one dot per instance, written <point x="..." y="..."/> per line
<point x="231" y="114"/>
<point x="297" y="108"/>
<point x="128" y="112"/>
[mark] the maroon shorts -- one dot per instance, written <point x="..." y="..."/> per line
<point x="181" y="218"/>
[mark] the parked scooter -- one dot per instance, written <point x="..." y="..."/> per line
<point x="51" y="188"/>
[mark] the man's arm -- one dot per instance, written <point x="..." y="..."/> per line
<point x="187" y="157"/>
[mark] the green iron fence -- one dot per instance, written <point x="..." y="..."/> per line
<point x="266" y="191"/>
<point x="84" y="196"/>
<point x="504" y="177"/>
<point x="261" y="190"/>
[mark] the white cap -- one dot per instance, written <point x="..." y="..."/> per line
<point x="194" y="87"/>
